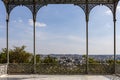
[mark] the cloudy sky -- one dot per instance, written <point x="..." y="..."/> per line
<point x="60" y="29"/>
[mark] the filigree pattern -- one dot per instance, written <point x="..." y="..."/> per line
<point x="10" y="8"/>
<point x="87" y="8"/>
<point x="61" y="1"/>
<point x="90" y="7"/>
<point x="83" y="6"/>
<point x="37" y="7"/>
<point x="111" y="7"/>
<point x="30" y="7"/>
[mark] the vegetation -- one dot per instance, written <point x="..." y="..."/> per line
<point x="19" y="55"/>
<point x="50" y="65"/>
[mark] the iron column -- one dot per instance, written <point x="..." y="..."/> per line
<point x="114" y="20"/>
<point x="7" y="37"/>
<point x="87" y="19"/>
<point x="34" y="35"/>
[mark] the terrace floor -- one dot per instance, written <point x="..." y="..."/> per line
<point x="60" y="77"/>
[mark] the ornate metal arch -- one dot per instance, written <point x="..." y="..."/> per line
<point x="9" y="8"/>
<point x="112" y="7"/>
<point x="32" y="7"/>
<point x="87" y="8"/>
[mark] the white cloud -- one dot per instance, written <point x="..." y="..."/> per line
<point x="75" y="38"/>
<point x="118" y="8"/>
<point x="2" y="27"/>
<point x="108" y="12"/>
<point x="38" y="24"/>
<point x="17" y="21"/>
<point x="14" y="21"/>
<point x="20" y="20"/>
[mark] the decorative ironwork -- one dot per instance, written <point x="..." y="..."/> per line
<point x="11" y="4"/>
<point x="90" y="7"/>
<point x="84" y="7"/>
<point x="30" y="7"/>
<point x="59" y="1"/>
<point x="110" y="6"/>
<point x="10" y="8"/>
<point x="37" y="7"/>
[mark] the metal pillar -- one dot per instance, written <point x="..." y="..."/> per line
<point x="34" y="47"/>
<point x="87" y="19"/>
<point x="87" y="47"/>
<point x="34" y="35"/>
<point x="114" y="20"/>
<point x="7" y="37"/>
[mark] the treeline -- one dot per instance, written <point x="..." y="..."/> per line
<point x="20" y="55"/>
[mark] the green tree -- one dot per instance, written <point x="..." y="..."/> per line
<point x="49" y="59"/>
<point x="38" y="59"/>
<point x="3" y="56"/>
<point x="110" y="61"/>
<point x="17" y="55"/>
<point x="90" y="59"/>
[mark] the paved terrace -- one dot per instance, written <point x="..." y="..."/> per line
<point x="60" y="77"/>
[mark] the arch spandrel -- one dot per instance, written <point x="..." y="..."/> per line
<point x="83" y="6"/>
<point x="112" y="7"/>
<point x="87" y="9"/>
<point x="11" y="7"/>
<point x="35" y="5"/>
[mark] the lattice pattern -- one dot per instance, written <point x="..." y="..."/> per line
<point x="58" y="1"/>
<point x="35" y="5"/>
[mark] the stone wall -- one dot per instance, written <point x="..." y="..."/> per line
<point x="3" y="69"/>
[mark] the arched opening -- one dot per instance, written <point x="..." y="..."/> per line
<point x="63" y="34"/>
<point x="118" y="39"/>
<point x="101" y="40"/>
<point x="20" y="29"/>
<point x="2" y="31"/>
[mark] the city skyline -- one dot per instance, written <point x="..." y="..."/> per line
<point x="61" y="29"/>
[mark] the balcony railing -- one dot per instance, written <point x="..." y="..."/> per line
<point x="44" y="68"/>
<point x="3" y="69"/>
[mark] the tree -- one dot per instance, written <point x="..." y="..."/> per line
<point x="49" y="59"/>
<point x="90" y="60"/>
<point x="38" y="59"/>
<point x="17" y="55"/>
<point x="3" y="56"/>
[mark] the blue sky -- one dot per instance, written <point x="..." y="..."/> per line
<point x="60" y="29"/>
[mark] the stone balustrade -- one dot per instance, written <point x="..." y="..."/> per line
<point x="3" y="69"/>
